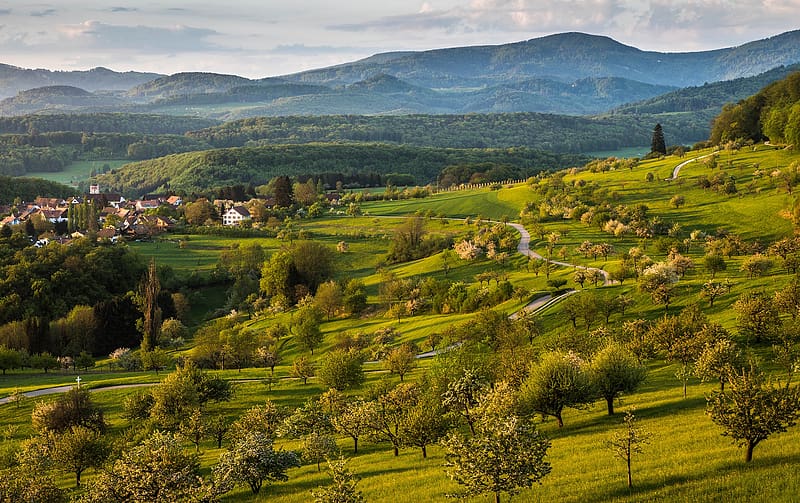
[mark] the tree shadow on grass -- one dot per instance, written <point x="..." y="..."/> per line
<point x="642" y="489"/>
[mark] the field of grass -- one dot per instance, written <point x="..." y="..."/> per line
<point x="76" y="172"/>
<point x="687" y="459"/>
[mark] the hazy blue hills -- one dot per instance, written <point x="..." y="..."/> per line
<point x="566" y="74"/>
<point x="14" y="79"/>
<point x="708" y="96"/>
<point x="57" y="99"/>
<point x="566" y="57"/>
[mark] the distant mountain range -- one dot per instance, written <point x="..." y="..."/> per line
<point x="569" y="73"/>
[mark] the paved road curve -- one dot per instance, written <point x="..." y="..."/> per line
<point x="524" y="248"/>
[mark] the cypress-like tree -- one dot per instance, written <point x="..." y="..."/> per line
<point x="658" y="145"/>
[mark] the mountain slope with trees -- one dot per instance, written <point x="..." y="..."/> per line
<point x="14" y="79"/>
<point x="773" y="113"/>
<point x="566" y="57"/>
<point x="198" y="171"/>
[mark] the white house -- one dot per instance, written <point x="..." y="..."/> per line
<point x="235" y="216"/>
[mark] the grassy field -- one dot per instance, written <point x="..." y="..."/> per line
<point x="76" y="172"/>
<point x="687" y="459"/>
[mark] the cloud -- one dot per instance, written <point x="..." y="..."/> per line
<point x="5" y="12"/>
<point x="123" y="9"/>
<point x="43" y="12"/>
<point x="500" y="15"/>
<point x="302" y="49"/>
<point x="179" y="38"/>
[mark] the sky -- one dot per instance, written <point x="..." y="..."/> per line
<point x="266" y="38"/>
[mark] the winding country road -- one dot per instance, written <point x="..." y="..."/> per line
<point x="524" y="248"/>
<point x="536" y="305"/>
<point x="677" y="168"/>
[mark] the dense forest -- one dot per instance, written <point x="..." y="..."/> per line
<point x="34" y="152"/>
<point x="556" y="133"/>
<point x="773" y="113"/>
<point x="103" y="123"/>
<point x="708" y="96"/>
<point x="66" y="299"/>
<point x="197" y="171"/>
<point x="28" y="189"/>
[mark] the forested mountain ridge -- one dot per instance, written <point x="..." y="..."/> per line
<point x="557" y="133"/>
<point x="57" y="98"/>
<point x="566" y="57"/>
<point x="568" y="73"/>
<point x="200" y="171"/>
<point x="707" y="96"/>
<point x="773" y="113"/>
<point x="14" y="79"/>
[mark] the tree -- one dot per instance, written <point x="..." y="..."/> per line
<point x="714" y="263"/>
<point x="659" y="280"/>
<point x="557" y="381"/>
<point x="305" y="326"/>
<point x="282" y="191"/>
<point x="252" y="460"/>
<point x="172" y="329"/>
<point x="354" y="296"/>
<point x="615" y="370"/>
<point x="712" y="290"/>
<point x="147" y="300"/>
<point x="407" y="241"/>
<point x="218" y="427"/>
<point x="9" y="359"/>
<point x="461" y="396"/>
<point x="504" y="456"/>
<point x="77" y="449"/>
<point x="198" y="212"/>
<point x="157" y="471"/>
<point x="757" y="316"/>
<point x="302" y="368"/>
<point x="341" y="370"/>
<point x="267" y="419"/>
<point x="626" y="443"/>
<point x="682" y="338"/>
<point x="756" y="265"/>
<point x="22" y="485"/>
<point x="194" y="428"/>
<point x="657" y="144"/>
<point x="677" y="201"/>
<point x="329" y="298"/>
<point x="156" y="359"/>
<point x="425" y="423"/>
<point x="752" y="409"/>
<point x="353" y="421"/>
<point x="84" y="361"/>
<point x="386" y="413"/>
<point x="342" y="488"/>
<point x="309" y="418"/>
<point x="73" y="408"/>
<point x="400" y="360"/>
<point x="447" y="259"/>
<point x="184" y="390"/>
<point x="318" y="446"/>
<point x="44" y="361"/>
<point x="718" y="359"/>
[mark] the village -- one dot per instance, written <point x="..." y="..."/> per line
<point x="110" y="217"/>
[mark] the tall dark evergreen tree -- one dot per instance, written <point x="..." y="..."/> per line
<point x="658" y="145"/>
<point x="149" y="289"/>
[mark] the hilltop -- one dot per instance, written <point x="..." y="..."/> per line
<point x="568" y="73"/>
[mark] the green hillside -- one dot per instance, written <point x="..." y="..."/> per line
<point x="197" y="171"/>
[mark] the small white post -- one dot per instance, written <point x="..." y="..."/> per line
<point x="78" y="380"/>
